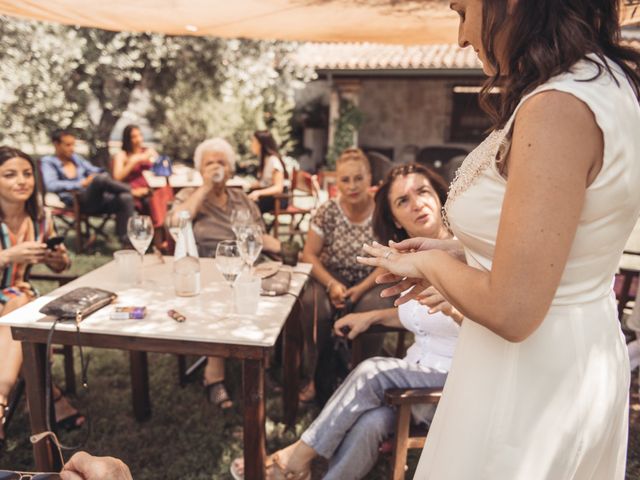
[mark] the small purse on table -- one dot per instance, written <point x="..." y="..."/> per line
<point x="78" y="303"/>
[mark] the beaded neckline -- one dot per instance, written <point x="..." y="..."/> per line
<point x="492" y="149"/>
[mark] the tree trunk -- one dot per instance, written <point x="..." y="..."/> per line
<point x="100" y="144"/>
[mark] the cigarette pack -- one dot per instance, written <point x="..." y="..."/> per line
<point x="136" y="313"/>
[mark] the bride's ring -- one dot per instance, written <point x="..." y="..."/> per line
<point x="387" y="255"/>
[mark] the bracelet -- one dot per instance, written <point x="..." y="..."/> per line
<point x="331" y="282"/>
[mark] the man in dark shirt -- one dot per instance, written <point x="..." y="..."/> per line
<point x="67" y="171"/>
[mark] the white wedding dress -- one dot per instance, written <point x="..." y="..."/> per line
<point x="553" y="407"/>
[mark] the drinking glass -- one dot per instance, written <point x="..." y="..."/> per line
<point x="228" y="260"/>
<point x="250" y="244"/>
<point x="140" y="232"/>
<point x="240" y="219"/>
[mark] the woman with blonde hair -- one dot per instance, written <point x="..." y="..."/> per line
<point x="337" y="232"/>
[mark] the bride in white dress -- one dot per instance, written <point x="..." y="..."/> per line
<point x="542" y="208"/>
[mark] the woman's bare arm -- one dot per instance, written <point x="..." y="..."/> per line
<point x="557" y="151"/>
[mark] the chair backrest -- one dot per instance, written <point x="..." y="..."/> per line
<point x="438" y="157"/>
<point x="307" y="183"/>
<point x="380" y="166"/>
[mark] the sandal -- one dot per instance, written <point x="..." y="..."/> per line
<point x="72" y="421"/>
<point x="274" y="467"/>
<point x="217" y="394"/>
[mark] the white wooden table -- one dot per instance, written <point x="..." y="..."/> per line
<point x="210" y="329"/>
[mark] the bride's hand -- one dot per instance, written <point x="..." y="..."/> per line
<point x="402" y="270"/>
<point x="400" y="264"/>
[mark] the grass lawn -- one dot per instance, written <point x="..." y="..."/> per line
<point x="186" y="438"/>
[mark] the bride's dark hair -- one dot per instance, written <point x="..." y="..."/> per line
<point x="543" y="38"/>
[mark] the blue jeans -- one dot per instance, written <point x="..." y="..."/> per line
<point x="355" y="420"/>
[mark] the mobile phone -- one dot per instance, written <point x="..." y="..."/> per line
<point x="53" y="242"/>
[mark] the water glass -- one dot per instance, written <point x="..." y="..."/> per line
<point x="246" y="293"/>
<point x="128" y="266"/>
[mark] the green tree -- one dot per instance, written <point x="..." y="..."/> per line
<point x="83" y="79"/>
<point x="254" y="90"/>
<point x="78" y="78"/>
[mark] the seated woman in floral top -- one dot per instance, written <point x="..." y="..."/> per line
<point x="337" y="232"/>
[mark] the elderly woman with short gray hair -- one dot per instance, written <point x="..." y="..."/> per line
<point x="211" y="204"/>
<point x="210" y="207"/>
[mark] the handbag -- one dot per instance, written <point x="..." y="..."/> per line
<point x="334" y="360"/>
<point x="78" y="303"/>
<point x="277" y="284"/>
<point x="162" y="166"/>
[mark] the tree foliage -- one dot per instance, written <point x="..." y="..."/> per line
<point x="57" y="76"/>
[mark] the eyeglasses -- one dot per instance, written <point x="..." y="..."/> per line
<point x="8" y="475"/>
<point x="12" y="475"/>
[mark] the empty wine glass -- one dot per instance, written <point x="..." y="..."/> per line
<point x="240" y="218"/>
<point x="250" y="244"/>
<point x="228" y="260"/>
<point x="140" y="232"/>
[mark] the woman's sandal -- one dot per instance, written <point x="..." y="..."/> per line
<point x="274" y="467"/>
<point x="218" y="395"/>
<point x="70" y="422"/>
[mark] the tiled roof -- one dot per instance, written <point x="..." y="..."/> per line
<point x="376" y="56"/>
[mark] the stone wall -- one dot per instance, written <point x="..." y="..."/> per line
<point x="399" y="111"/>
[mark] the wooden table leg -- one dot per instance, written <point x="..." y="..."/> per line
<point x="291" y="374"/>
<point x="33" y="368"/>
<point x="140" y="385"/>
<point x="254" y="419"/>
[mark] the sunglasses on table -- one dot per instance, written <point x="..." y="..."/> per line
<point x="9" y="475"/>
<point x="14" y="475"/>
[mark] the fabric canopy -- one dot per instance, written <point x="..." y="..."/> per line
<point x="388" y="21"/>
<point x="385" y="21"/>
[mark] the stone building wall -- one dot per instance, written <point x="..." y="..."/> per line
<point x="399" y="111"/>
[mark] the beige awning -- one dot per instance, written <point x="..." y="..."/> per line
<point x="388" y="21"/>
<point x="385" y="21"/>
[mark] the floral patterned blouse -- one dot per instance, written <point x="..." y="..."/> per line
<point x="342" y="241"/>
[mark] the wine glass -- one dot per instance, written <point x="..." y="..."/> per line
<point x="229" y="262"/>
<point x="240" y="219"/>
<point x="140" y="232"/>
<point x="250" y="244"/>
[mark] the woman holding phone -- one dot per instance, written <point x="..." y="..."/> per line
<point x="26" y="238"/>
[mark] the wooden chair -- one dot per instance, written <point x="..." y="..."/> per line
<point x="303" y="185"/>
<point x="72" y="218"/>
<point x="626" y="282"/>
<point x="407" y="435"/>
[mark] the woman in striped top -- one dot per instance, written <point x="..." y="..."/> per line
<point x="23" y="230"/>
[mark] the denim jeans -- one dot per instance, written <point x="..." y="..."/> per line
<point x="355" y="420"/>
